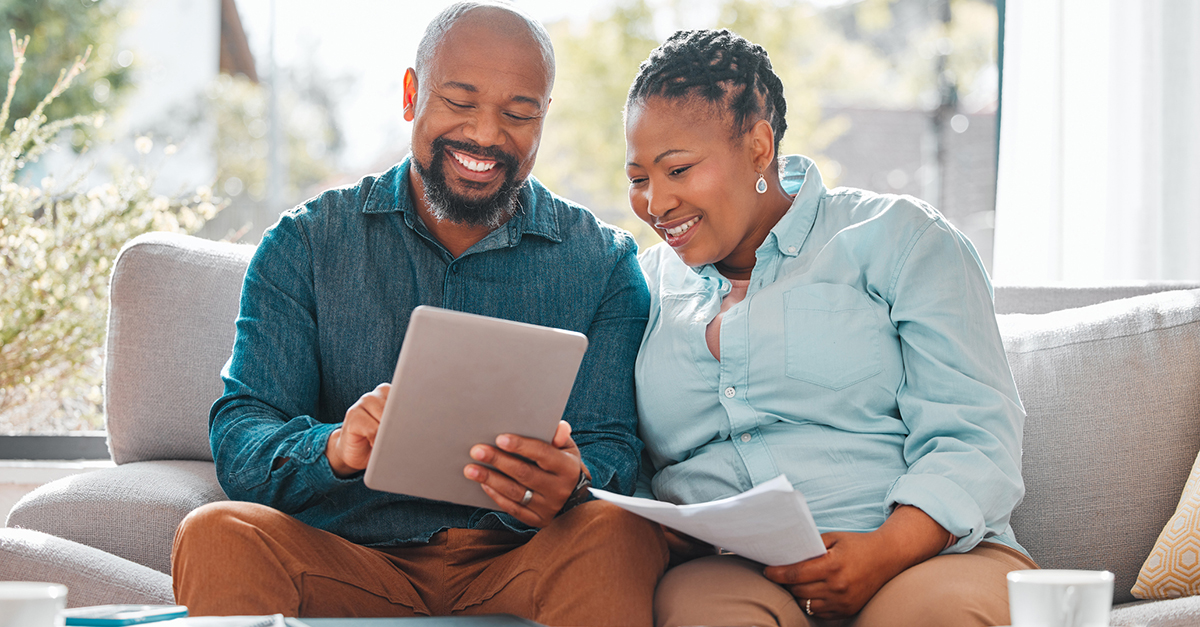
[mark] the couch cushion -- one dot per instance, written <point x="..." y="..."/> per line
<point x="1112" y="393"/>
<point x="92" y="576"/>
<point x="131" y="511"/>
<point x="173" y="301"/>
<point x="1174" y="613"/>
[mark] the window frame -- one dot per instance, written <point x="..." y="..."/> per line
<point x="85" y="445"/>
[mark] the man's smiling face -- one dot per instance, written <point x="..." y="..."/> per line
<point x="477" y="118"/>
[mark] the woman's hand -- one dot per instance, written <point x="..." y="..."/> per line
<point x="840" y="582"/>
<point x="684" y="547"/>
<point x="856" y="565"/>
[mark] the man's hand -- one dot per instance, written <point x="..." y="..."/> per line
<point x="549" y="470"/>
<point x="856" y="565"/>
<point x="349" y="447"/>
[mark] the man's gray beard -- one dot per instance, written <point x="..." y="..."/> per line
<point x="444" y="210"/>
<point x="445" y="205"/>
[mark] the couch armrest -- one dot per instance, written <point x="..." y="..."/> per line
<point x="130" y="511"/>
<point x="92" y="576"/>
<point x="173" y="302"/>
<point x="1038" y="299"/>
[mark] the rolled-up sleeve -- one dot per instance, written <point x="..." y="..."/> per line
<point x="957" y="399"/>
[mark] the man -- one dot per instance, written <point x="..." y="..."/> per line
<point x="325" y="305"/>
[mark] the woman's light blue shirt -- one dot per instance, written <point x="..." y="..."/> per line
<point x="864" y="363"/>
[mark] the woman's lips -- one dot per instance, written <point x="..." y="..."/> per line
<point x="678" y="232"/>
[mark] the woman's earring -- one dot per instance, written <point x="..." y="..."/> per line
<point x="761" y="185"/>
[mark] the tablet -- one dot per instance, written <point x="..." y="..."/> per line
<point x="461" y="380"/>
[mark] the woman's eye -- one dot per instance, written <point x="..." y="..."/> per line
<point x="637" y="180"/>
<point x="680" y="170"/>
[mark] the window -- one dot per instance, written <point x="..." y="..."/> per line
<point x="891" y="95"/>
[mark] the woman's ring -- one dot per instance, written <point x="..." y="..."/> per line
<point x="527" y="498"/>
<point x="808" y="607"/>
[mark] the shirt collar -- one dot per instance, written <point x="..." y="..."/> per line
<point x="535" y="215"/>
<point x="799" y="176"/>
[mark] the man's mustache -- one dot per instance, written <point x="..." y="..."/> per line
<point x="488" y="152"/>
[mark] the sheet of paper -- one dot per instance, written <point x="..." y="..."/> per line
<point x="769" y="523"/>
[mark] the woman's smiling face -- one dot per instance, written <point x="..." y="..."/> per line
<point x="693" y="182"/>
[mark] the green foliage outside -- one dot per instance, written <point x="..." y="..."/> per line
<point x="58" y="30"/>
<point x="850" y="54"/>
<point x="57" y="244"/>
<point x="310" y="139"/>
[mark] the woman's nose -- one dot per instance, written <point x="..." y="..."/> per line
<point x="659" y="202"/>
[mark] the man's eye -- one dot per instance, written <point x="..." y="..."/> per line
<point x="457" y="105"/>
<point x="519" y="118"/>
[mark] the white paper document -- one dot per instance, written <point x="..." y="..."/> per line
<point x="769" y="523"/>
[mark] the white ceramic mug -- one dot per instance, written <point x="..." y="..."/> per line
<point x="31" y="604"/>
<point x="1060" y="598"/>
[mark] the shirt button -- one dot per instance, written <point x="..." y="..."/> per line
<point x="791" y="249"/>
<point x="729" y="392"/>
<point x="746" y="437"/>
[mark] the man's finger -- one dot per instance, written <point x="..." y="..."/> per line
<point x="524" y="514"/>
<point x="524" y="474"/>
<point x="547" y="457"/>
<point x="499" y="483"/>
<point x="562" y="436"/>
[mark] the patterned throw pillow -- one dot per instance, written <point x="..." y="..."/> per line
<point x="1173" y="567"/>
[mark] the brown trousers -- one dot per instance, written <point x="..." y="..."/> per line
<point x="595" y="565"/>
<point x="961" y="590"/>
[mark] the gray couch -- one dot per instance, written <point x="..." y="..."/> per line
<point x="1110" y="378"/>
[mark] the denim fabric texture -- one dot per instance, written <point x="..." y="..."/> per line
<point x="864" y="363"/>
<point x="325" y="305"/>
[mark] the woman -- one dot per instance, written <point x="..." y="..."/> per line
<point x="843" y="338"/>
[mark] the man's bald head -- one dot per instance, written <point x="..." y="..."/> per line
<point x="501" y="17"/>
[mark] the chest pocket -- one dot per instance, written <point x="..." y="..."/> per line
<point x="830" y="335"/>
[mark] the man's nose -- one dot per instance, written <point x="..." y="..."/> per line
<point x="484" y="129"/>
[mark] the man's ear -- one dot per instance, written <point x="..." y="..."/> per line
<point x="762" y="145"/>
<point x="410" y="94"/>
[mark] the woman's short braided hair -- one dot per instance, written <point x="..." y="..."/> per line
<point x="719" y="67"/>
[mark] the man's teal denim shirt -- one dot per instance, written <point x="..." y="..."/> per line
<point x="325" y="305"/>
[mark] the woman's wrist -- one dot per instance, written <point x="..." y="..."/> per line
<point x="913" y="537"/>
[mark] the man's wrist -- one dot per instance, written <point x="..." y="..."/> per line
<point x="339" y="468"/>
<point x="580" y="493"/>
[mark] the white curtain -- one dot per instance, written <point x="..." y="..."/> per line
<point x="1099" y="172"/>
